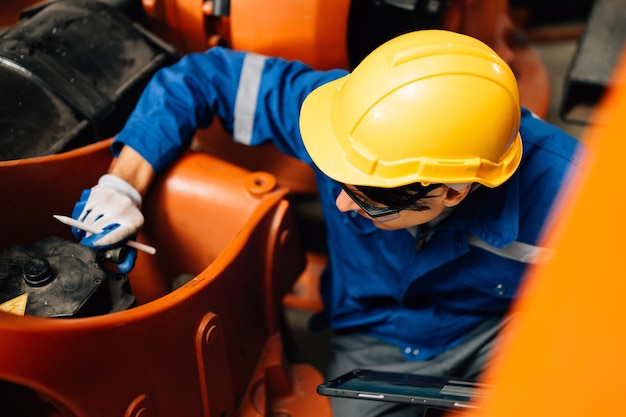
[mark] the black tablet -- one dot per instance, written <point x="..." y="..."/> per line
<point x="404" y="388"/>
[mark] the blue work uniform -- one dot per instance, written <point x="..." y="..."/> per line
<point x="421" y="290"/>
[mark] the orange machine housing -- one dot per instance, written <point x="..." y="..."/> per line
<point x="209" y="348"/>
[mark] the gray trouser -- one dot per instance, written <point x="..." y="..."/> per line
<point x="357" y="350"/>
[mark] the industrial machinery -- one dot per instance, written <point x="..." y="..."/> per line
<point x="195" y="330"/>
<point x="55" y="277"/>
<point x="208" y="344"/>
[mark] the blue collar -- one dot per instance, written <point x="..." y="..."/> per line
<point x="491" y="214"/>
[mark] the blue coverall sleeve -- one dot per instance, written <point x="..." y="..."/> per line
<point x="189" y="94"/>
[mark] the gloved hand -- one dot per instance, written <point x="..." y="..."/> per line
<point x="114" y="207"/>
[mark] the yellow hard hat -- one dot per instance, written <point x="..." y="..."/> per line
<point x="430" y="106"/>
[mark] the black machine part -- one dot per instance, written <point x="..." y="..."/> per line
<point x="391" y="18"/>
<point x="71" y="72"/>
<point x="64" y="279"/>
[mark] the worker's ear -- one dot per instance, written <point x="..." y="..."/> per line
<point x="453" y="196"/>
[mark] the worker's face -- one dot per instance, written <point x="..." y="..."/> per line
<point x="437" y="201"/>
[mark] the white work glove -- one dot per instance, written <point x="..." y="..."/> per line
<point x="112" y="206"/>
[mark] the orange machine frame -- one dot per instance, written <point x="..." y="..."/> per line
<point x="209" y="348"/>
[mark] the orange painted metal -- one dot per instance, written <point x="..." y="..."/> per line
<point x="189" y="25"/>
<point x="280" y="390"/>
<point x="304" y="294"/>
<point x="563" y="354"/>
<point x="312" y="31"/>
<point x="11" y="9"/>
<point x="34" y="189"/>
<point x="290" y="172"/>
<point x="201" y="349"/>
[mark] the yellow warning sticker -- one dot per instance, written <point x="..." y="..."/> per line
<point x="16" y="305"/>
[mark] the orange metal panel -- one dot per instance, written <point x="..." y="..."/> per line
<point x="312" y="31"/>
<point x="34" y="189"/>
<point x="290" y="172"/>
<point x="11" y="9"/>
<point x="277" y="390"/>
<point x="191" y="351"/>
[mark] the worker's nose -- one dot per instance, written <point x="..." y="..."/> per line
<point x="344" y="203"/>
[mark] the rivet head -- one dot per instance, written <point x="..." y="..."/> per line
<point x="260" y="183"/>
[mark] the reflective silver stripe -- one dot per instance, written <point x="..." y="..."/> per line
<point x="517" y="251"/>
<point x="247" y="94"/>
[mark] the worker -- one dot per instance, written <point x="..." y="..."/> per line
<point x="435" y="186"/>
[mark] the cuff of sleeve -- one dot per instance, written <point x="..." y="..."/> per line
<point x="118" y="184"/>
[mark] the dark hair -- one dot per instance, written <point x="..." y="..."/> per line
<point x="405" y="197"/>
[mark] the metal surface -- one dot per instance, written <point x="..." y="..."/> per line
<point x="592" y="69"/>
<point x="62" y="279"/>
<point x="59" y="278"/>
<point x="70" y="73"/>
<point x="232" y="231"/>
